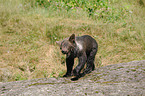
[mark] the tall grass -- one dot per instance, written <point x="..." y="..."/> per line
<point x="29" y="29"/>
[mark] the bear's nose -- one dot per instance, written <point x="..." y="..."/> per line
<point x="64" y="52"/>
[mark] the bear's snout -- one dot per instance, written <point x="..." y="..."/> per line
<point x="64" y="52"/>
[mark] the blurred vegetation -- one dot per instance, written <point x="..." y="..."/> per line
<point x="96" y="9"/>
<point x="29" y="29"/>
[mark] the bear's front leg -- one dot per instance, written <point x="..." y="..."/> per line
<point x="69" y="65"/>
<point x="80" y="66"/>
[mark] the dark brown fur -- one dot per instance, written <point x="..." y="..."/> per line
<point x="82" y="47"/>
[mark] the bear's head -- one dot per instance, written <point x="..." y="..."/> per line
<point x="67" y="46"/>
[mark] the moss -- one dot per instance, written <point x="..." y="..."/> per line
<point x="133" y="70"/>
<point x="96" y="92"/>
<point x="131" y="78"/>
<point x="41" y="84"/>
<point x="96" y="78"/>
<point x="127" y="71"/>
<point x="98" y="73"/>
<point x="135" y="76"/>
<point x="66" y="81"/>
<point x="120" y="67"/>
<point x="112" y="69"/>
<point x="104" y="74"/>
<point x="108" y="82"/>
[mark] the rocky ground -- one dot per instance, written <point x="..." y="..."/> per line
<point x="124" y="79"/>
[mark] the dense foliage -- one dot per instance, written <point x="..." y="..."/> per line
<point x="96" y="9"/>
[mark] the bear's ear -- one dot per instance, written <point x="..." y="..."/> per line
<point x="72" y="38"/>
<point x="58" y="42"/>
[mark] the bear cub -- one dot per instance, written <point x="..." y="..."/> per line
<point x="84" y="48"/>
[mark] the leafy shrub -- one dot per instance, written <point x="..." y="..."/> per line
<point x="44" y="3"/>
<point x="90" y="6"/>
<point x="96" y="9"/>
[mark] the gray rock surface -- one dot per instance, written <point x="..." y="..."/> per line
<point x="124" y="79"/>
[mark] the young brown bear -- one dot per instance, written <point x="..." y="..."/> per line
<point x="85" y="48"/>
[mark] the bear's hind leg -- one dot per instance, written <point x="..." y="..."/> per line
<point x="90" y="62"/>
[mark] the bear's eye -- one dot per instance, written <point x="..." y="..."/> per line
<point x="60" y="48"/>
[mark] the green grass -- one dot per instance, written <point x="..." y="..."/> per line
<point x="28" y="33"/>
